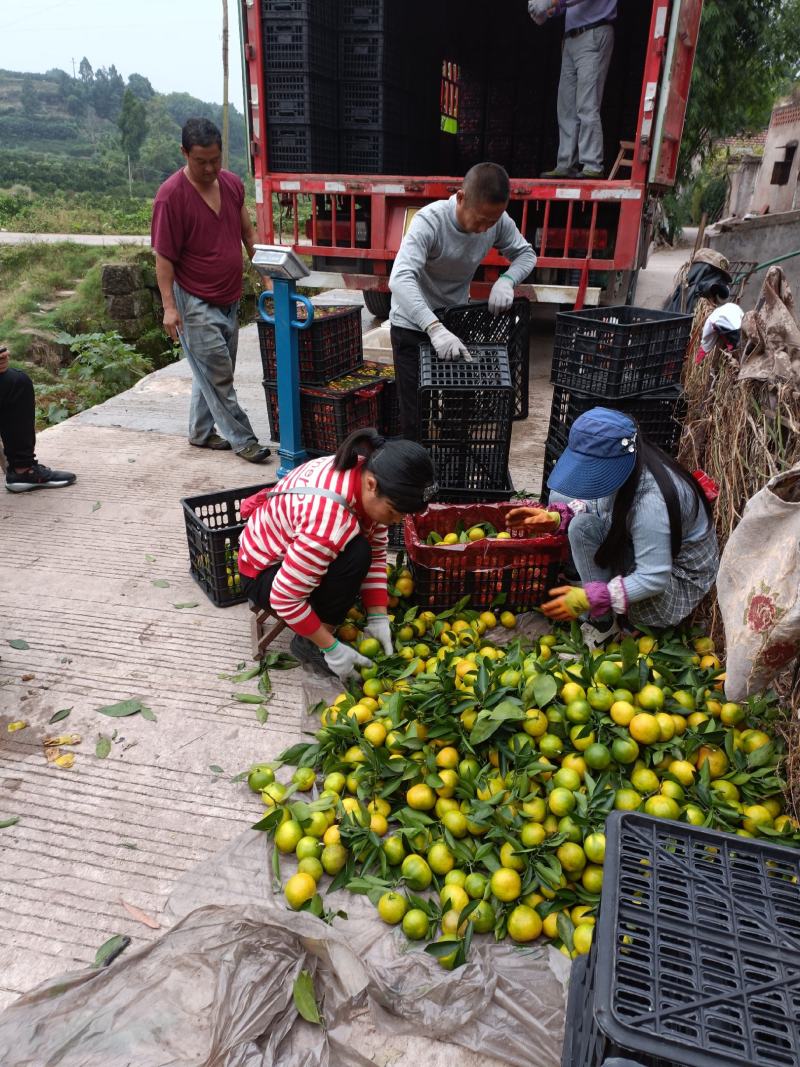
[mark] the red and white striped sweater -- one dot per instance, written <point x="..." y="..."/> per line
<point x="305" y="534"/>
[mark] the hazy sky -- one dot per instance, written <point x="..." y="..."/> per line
<point x="177" y="44"/>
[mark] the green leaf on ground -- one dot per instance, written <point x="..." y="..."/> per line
<point x="59" y="715"/>
<point x="262" y="713"/>
<point x="110" y="949"/>
<point x="148" y="713"/>
<point x="215" y="769"/>
<point x="304" y="999"/>
<point x="19" y="643"/>
<point x="160" y="583"/>
<point x="9" y="822"/>
<point x="103" y="746"/>
<point x="128" y="844"/>
<point x="149" y="558"/>
<point x="96" y="506"/>
<point x="123" y="708"/>
<point x="188" y="604"/>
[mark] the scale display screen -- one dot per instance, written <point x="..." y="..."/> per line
<point x="273" y="261"/>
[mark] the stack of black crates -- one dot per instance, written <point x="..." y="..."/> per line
<point x="625" y="358"/>
<point x="341" y="96"/>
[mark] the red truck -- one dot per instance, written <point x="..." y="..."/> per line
<point x="590" y="236"/>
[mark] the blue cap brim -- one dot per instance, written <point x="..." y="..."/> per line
<point x="589" y="477"/>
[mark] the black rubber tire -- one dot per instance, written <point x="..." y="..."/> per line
<point x="378" y="303"/>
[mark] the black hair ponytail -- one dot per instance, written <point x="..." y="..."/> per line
<point x="403" y="469"/>
<point x="648" y="457"/>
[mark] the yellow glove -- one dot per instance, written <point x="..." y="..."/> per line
<point x="569" y="601"/>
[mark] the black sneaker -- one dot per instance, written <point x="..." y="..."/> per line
<point x="307" y="652"/>
<point x="38" y="477"/>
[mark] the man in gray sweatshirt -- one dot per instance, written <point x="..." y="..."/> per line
<point x="435" y="264"/>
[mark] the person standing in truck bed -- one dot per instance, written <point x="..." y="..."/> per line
<point x="435" y="264"/>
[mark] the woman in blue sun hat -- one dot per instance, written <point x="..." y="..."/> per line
<point x="640" y="528"/>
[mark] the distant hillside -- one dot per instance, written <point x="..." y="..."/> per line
<point x="59" y="133"/>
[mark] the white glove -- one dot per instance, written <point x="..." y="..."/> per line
<point x="343" y="660"/>
<point x="502" y="296"/>
<point x="540" y="10"/>
<point x="379" y="628"/>
<point x="446" y="344"/>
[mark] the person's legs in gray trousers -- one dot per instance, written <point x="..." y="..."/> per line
<point x="586" y="533"/>
<point x="584" y="67"/>
<point x="209" y="341"/>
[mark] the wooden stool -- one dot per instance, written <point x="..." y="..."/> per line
<point x="624" y="158"/>
<point x="261" y="633"/>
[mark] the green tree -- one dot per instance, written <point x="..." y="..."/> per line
<point x="141" y="87"/>
<point x="132" y="124"/>
<point x="107" y="92"/>
<point x="747" y="53"/>
<point x="85" y="72"/>
<point x="28" y="97"/>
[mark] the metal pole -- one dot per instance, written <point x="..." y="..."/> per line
<point x="290" y="451"/>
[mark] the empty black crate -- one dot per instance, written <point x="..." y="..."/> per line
<point x="321" y="11"/>
<point x="475" y="324"/>
<point x="370" y="57"/>
<point x="370" y="106"/>
<point x="619" y="351"/>
<point x="465" y="414"/>
<point x="295" y="97"/>
<point x="328" y="415"/>
<point x="660" y="415"/>
<point x="300" y="45"/>
<point x="370" y="152"/>
<point x="213" y="526"/>
<point x="300" y="149"/>
<point x="697" y="961"/>
<point x="369" y="16"/>
<point x="329" y="348"/>
<point x="473" y="493"/>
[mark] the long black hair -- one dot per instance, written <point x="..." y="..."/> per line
<point x="403" y="469"/>
<point x="648" y="457"/>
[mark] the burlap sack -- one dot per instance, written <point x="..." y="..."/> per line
<point x="758" y="587"/>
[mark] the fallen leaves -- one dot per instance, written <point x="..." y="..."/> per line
<point x="123" y="708"/>
<point x="110" y="949"/>
<point x="139" y="915"/>
<point x="96" y="506"/>
<point x="161" y="583"/>
<point x="4" y="823"/>
<point x="14" y="726"/>
<point x="304" y="999"/>
<point x="53" y="753"/>
<point x="103" y="746"/>
<point x="18" y="643"/>
<point x="61" y="739"/>
<point x="189" y="604"/>
<point x="58" y="716"/>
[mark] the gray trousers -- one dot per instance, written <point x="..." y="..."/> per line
<point x="209" y="340"/>
<point x="584" y="66"/>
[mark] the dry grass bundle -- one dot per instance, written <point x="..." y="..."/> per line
<point x="741" y="433"/>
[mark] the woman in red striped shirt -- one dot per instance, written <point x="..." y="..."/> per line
<point x="317" y="541"/>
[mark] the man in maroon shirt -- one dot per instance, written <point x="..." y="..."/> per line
<point x="199" y="225"/>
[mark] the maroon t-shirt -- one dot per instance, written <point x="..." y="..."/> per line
<point x="204" y="248"/>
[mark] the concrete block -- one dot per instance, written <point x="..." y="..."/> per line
<point x="117" y="279"/>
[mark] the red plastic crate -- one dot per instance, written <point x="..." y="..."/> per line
<point x="524" y="568"/>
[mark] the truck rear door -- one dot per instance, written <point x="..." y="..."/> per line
<point x="677" y="27"/>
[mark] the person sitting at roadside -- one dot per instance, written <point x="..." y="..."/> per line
<point x="640" y="528"/>
<point x="18" y="433"/>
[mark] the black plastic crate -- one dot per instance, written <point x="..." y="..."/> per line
<point x="396" y="536"/>
<point x="325" y="12"/>
<point x="370" y="106"/>
<point x="475" y="324"/>
<point x="465" y="415"/>
<point x="370" y="152"/>
<point x="331" y="346"/>
<point x="389" y="408"/>
<point x="300" y="149"/>
<point x="550" y="460"/>
<point x="369" y="16"/>
<point x="296" y="98"/>
<point x="328" y="414"/>
<point x="300" y="45"/>
<point x="471" y="493"/>
<point x="372" y="57"/>
<point x="698" y="948"/>
<point x="619" y="351"/>
<point x="660" y="416"/>
<point x="213" y="527"/>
